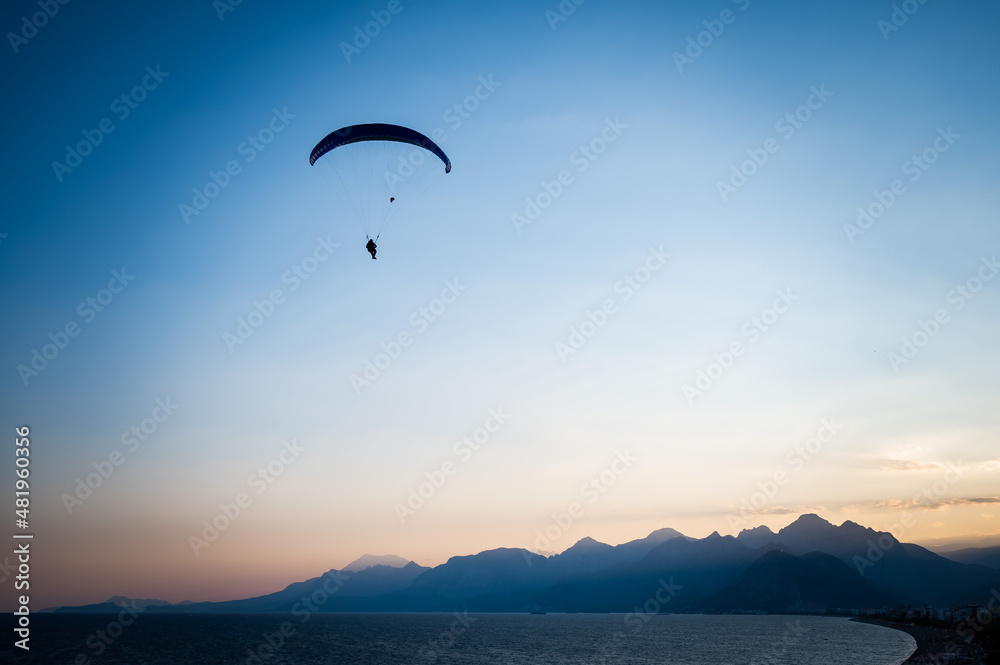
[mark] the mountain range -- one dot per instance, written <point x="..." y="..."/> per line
<point x="984" y="556"/>
<point x="810" y="565"/>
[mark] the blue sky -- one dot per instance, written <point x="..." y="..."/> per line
<point x="680" y="131"/>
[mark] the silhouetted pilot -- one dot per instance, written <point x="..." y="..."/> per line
<point x="371" y="247"/>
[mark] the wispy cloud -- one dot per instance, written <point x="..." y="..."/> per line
<point x="923" y="504"/>
<point x="909" y="465"/>
<point x="893" y="462"/>
<point x="779" y="510"/>
<point x="918" y="503"/>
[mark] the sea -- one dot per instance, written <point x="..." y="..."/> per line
<point x="473" y="639"/>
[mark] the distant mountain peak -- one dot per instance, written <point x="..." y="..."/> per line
<point x="664" y="534"/>
<point x="588" y="543"/>
<point x="498" y="554"/>
<point x="811" y="518"/>
<point x="807" y="522"/>
<point x="772" y="555"/>
<point x="125" y="601"/>
<point x="368" y="560"/>
<point x="759" y="536"/>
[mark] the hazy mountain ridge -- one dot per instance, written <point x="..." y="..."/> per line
<point x="983" y="556"/>
<point x="782" y="582"/>
<point x="369" y="560"/>
<point x="810" y="565"/>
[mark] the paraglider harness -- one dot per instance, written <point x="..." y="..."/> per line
<point x="371" y="246"/>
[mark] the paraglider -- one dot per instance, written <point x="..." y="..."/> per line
<point x="374" y="164"/>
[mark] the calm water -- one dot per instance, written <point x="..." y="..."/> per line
<point x="480" y="639"/>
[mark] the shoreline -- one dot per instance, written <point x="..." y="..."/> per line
<point x="934" y="644"/>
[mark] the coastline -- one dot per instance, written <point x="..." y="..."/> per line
<point x="934" y="644"/>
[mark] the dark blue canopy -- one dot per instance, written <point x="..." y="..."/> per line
<point x="377" y="132"/>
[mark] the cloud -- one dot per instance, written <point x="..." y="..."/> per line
<point x="919" y="503"/>
<point x="923" y="504"/>
<point x="909" y="465"/>
<point x="981" y="499"/>
<point x="892" y="462"/>
<point x="779" y="510"/>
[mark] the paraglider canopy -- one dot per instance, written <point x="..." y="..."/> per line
<point x="372" y="165"/>
<point x="376" y="132"/>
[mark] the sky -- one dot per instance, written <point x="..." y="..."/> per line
<point x="700" y="265"/>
